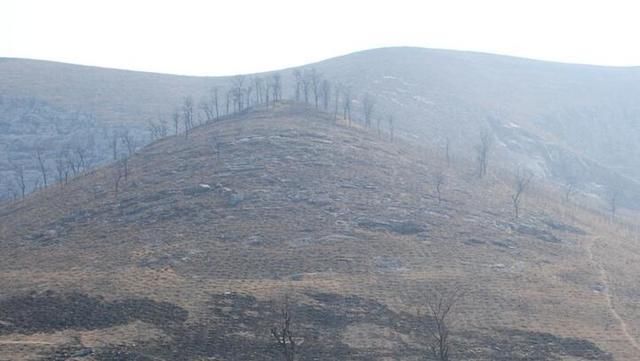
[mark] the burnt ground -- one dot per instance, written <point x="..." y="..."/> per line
<point x="238" y="327"/>
<point x="512" y="344"/>
<point x="50" y="311"/>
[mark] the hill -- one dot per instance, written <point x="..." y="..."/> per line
<point x="572" y="123"/>
<point x="191" y="256"/>
<point x="59" y="108"/>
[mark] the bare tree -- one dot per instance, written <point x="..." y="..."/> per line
<point x="276" y="86"/>
<point x="346" y="104"/>
<point x="368" y="103"/>
<point x="297" y="76"/>
<point x="305" y="82"/>
<point x="62" y="170"/>
<point x="325" y="90"/>
<point x="483" y="149"/>
<point x="187" y="115"/>
<point x="129" y="142"/>
<point x="19" y="178"/>
<point x="71" y="162"/>
<point x="207" y="109"/>
<point x="176" y="123"/>
<point x="391" y="127"/>
<point x="569" y="188"/>
<point x="118" y="173"/>
<point x="113" y="143"/>
<point x="258" y="83"/>
<point x="336" y="91"/>
<point x="248" y="91"/>
<point x="283" y="334"/>
<point x="439" y="307"/>
<point x="41" y="166"/>
<point x="439" y="180"/>
<point x="228" y="100"/>
<point x="315" y="78"/>
<point x="158" y="130"/>
<point x="214" y="100"/>
<point x="267" y="92"/>
<point x="522" y="181"/>
<point x="125" y="168"/>
<point x="216" y="147"/>
<point x="237" y="91"/>
<point x="82" y="158"/>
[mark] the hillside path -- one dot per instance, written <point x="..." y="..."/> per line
<point x="604" y="280"/>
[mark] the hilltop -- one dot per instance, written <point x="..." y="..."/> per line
<point x="571" y="123"/>
<point x="191" y="256"/>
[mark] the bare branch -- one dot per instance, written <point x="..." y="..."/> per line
<point x="19" y="178"/>
<point x="522" y="180"/>
<point x="613" y="193"/>
<point x="283" y="334"/>
<point x="187" y="115"/>
<point x="482" y="152"/>
<point x="129" y="142"/>
<point x="439" y="306"/>
<point x="41" y="166"/>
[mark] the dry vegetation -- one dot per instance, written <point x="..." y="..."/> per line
<point x="185" y="261"/>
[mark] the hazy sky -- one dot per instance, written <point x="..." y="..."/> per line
<point x="237" y="36"/>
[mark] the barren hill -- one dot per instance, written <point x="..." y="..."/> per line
<point x="192" y="256"/>
<point x="571" y="123"/>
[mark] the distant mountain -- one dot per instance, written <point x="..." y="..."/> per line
<point x="187" y="250"/>
<point x="572" y="123"/>
<point x="561" y="120"/>
<point x="59" y="108"/>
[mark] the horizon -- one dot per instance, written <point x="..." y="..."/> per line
<point x="327" y="59"/>
<point x="194" y="37"/>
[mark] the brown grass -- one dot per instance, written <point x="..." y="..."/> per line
<point x="309" y="188"/>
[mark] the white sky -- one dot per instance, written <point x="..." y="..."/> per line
<point x="220" y="37"/>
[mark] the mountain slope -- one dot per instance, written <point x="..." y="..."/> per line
<point x="573" y="123"/>
<point x="561" y="120"/>
<point x="111" y="95"/>
<point x="190" y="257"/>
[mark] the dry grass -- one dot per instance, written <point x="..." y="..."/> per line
<point x="320" y="205"/>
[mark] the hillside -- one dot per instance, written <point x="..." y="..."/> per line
<point x="67" y="107"/>
<point x="564" y="121"/>
<point x="190" y="259"/>
<point x="571" y="123"/>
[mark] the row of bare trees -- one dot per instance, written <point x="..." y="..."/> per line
<point x="521" y="179"/>
<point x="243" y="93"/>
<point x="312" y="88"/>
<point x="68" y="162"/>
<point x="436" y="315"/>
<point x="309" y="87"/>
<point x="50" y="166"/>
<point x="309" y="84"/>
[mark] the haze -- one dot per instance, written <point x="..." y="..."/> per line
<point x="229" y="37"/>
